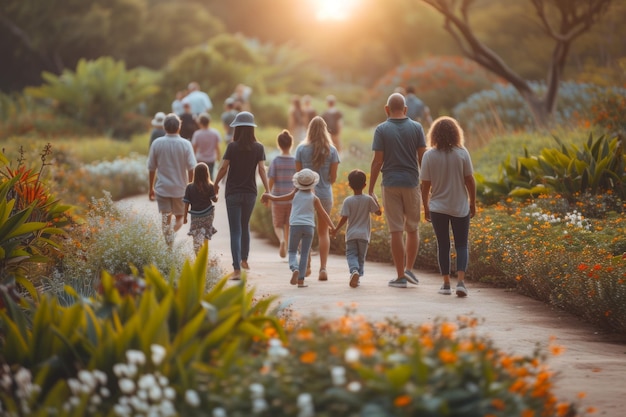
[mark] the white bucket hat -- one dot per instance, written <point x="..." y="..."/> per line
<point x="158" y="119"/>
<point x="305" y="179"/>
<point x="244" y="118"/>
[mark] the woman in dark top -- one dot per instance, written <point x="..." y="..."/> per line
<point x="243" y="157"/>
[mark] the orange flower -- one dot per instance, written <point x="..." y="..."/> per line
<point x="402" y="401"/>
<point x="528" y="413"/>
<point x="308" y="357"/>
<point x="447" y="356"/>
<point x="448" y="330"/>
<point x="305" y="334"/>
<point x="498" y="404"/>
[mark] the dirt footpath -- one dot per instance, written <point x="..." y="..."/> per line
<point x="593" y="362"/>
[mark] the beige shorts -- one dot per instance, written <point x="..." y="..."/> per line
<point x="402" y="208"/>
<point x="170" y="205"/>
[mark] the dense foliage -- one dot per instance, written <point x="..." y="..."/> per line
<point x="152" y="346"/>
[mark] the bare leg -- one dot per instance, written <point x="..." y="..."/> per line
<point x="412" y="246"/>
<point x="166" y="226"/>
<point x="397" y="252"/>
<point x="179" y="223"/>
<point x="324" y="242"/>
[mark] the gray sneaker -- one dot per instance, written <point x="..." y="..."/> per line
<point x="461" y="291"/>
<point x="410" y="277"/>
<point x="445" y="289"/>
<point x="398" y="283"/>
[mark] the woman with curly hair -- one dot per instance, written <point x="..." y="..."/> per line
<point x="318" y="154"/>
<point x="449" y="197"/>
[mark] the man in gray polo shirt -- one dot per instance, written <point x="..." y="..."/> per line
<point x="170" y="162"/>
<point x="398" y="146"/>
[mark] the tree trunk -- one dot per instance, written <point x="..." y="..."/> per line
<point x="572" y="20"/>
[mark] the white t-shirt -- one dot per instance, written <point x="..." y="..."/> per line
<point x="172" y="158"/>
<point x="446" y="172"/>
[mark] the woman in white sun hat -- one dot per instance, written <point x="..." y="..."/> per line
<point x="244" y="156"/>
<point x="304" y="205"/>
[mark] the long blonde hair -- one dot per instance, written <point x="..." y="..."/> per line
<point x="317" y="135"/>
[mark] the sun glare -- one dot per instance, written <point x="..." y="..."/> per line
<point x="333" y="9"/>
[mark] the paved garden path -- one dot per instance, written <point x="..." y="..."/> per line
<point x="593" y="362"/>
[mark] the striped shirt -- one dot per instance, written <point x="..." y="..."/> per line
<point x="281" y="171"/>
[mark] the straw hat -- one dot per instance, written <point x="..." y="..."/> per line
<point x="305" y="179"/>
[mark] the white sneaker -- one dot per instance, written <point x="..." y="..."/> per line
<point x="461" y="291"/>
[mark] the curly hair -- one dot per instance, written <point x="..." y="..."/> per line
<point x="317" y="135"/>
<point x="446" y="134"/>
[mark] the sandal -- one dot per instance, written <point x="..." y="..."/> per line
<point x="301" y="284"/>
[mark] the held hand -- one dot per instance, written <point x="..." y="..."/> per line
<point x="216" y="187"/>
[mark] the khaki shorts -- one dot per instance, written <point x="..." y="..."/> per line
<point x="171" y="205"/>
<point x="402" y="208"/>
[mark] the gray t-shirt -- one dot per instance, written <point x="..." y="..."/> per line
<point x="171" y="157"/>
<point x="357" y="209"/>
<point x="446" y="172"/>
<point x="399" y="140"/>
<point x="304" y="155"/>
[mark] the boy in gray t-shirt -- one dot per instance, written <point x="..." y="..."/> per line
<point x="356" y="211"/>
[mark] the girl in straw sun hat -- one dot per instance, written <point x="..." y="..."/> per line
<point x="304" y="205"/>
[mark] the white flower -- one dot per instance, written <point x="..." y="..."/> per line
<point x="142" y="394"/>
<point x="219" y="412"/>
<point x="169" y="393"/>
<point x="156" y="393"/>
<point x="338" y="374"/>
<point x="127" y="386"/>
<point x="131" y="370"/>
<point x="74" y="385"/>
<point x="104" y="391"/>
<point x="119" y="369"/>
<point x="257" y="390"/>
<point x="168" y="409"/>
<point x="193" y="399"/>
<point x="23" y="377"/>
<point x="259" y="405"/>
<point x="135" y="357"/>
<point x="354" y="386"/>
<point x="352" y="355"/>
<point x="122" y="410"/>
<point x="100" y="376"/>
<point x="158" y="353"/>
<point x="163" y="381"/>
<point x="87" y="379"/>
<point x="147" y="381"/>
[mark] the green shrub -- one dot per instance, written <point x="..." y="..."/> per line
<point x="161" y="335"/>
<point x="31" y="220"/>
<point x="114" y="240"/>
<point x="157" y="347"/>
<point x="599" y="167"/>
<point x="101" y="94"/>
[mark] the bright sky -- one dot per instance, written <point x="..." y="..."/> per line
<point x="334" y="9"/>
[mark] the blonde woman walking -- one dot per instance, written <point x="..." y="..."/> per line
<point x="318" y="153"/>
